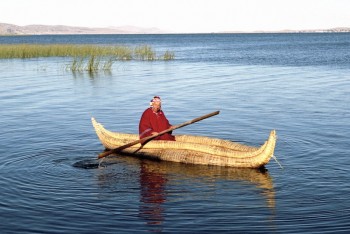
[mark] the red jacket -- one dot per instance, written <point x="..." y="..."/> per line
<point x="154" y="122"/>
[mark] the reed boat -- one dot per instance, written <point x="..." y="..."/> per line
<point x="191" y="149"/>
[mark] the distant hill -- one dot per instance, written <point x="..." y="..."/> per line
<point x="330" y="30"/>
<point x="11" y="29"/>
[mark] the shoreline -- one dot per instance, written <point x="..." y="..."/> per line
<point x="15" y="30"/>
<point x="216" y="33"/>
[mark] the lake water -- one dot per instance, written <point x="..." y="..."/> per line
<point x="297" y="84"/>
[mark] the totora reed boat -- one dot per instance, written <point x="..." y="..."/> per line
<point x="191" y="149"/>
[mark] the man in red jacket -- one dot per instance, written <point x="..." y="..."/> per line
<point x="154" y="121"/>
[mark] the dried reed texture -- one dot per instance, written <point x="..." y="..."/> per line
<point x="192" y="149"/>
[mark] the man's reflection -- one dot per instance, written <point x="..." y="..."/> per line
<point x="152" y="194"/>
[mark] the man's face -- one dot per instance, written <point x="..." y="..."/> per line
<point x="156" y="106"/>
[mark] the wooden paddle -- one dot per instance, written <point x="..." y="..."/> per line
<point x="104" y="154"/>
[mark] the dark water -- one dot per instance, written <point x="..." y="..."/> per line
<point x="297" y="84"/>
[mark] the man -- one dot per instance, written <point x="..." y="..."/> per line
<point x="154" y="121"/>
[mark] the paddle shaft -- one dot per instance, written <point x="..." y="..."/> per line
<point x="104" y="154"/>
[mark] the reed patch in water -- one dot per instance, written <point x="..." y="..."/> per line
<point x="144" y="53"/>
<point x="168" y="55"/>
<point x="91" y="64"/>
<point x="23" y="51"/>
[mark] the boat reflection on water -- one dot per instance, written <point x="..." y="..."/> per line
<point x="158" y="172"/>
<point x="156" y="178"/>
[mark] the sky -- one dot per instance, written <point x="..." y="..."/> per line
<point x="182" y="16"/>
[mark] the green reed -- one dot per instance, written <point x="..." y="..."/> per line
<point x="91" y="64"/>
<point x="23" y="51"/>
<point x="168" y="55"/>
<point x="144" y="52"/>
<point x="86" y="57"/>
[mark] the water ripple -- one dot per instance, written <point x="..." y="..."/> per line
<point x="46" y="135"/>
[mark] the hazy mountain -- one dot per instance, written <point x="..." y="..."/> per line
<point x="11" y="29"/>
<point x="330" y="30"/>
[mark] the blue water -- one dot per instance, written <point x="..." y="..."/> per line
<point x="297" y="84"/>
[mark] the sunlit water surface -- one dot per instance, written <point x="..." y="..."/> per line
<point x="296" y="84"/>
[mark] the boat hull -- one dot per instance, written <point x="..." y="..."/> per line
<point x="191" y="149"/>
